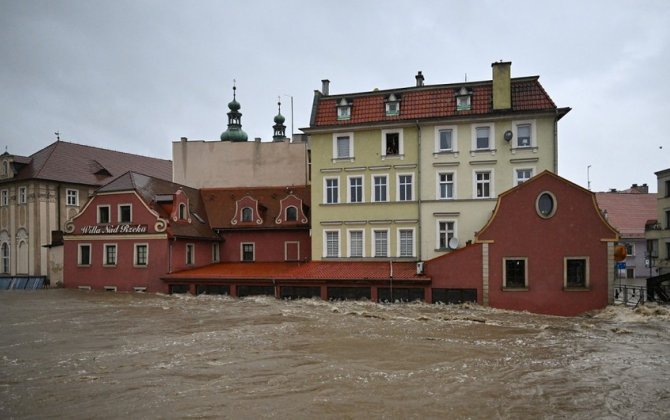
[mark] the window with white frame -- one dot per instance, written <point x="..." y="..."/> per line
<point x="392" y="105"/>
<point x="463" y="101"/>
<point x="343" y="109"/>
<point x="216" y="252"/>
<point x="247" y="251"/>
<point x="405" y="187"/>
<point x="4" y="198"/>
<point x="23" y="195"/>
<point x="445" y="231"/>
<point x="392" y="143"/>
<point x="381" y="243"/>
<point x="190" y="254"/>
<point x="104" y="214"/>
<point x="125" y="213"/>
<point x="576" y="272"/>
<point x="71" y="197"/>
<point x="109" y="257"/>
<point x="522" y="175"/>
<point x="483" y="184"/>
<point x="630" y="249"/>
<point x="291" y="214"/>
<point x="356" y="244"/>
<point x="406" y="242"/>
<point x="482" y="137"/>
<point x="445" y="185"/>
<point x="355" y="189"/>
<point x="141" y="257"/>
<point x="515" y="273"/>
<point x="247" y="214"/>
<point x="84" y="255"/>
<point x="445" y="139"/>
<point x="380" y="185"/>
<point x="332" y="190"/>
<point x="524" y="134"/>
<point x="331" y="244"/>
<point x="343" y="145"/>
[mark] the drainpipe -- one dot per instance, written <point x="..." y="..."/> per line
<point x="418" y="189"/>
<point x="556" y="143"/>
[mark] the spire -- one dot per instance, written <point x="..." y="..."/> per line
<point x="234" y="132"/>
<point x="279" y="127"/>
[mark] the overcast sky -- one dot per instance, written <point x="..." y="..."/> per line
<point x="137" y="75"/>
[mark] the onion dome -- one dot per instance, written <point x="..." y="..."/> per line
<point x="279" y="127"/>
<point x="234" y="132"/>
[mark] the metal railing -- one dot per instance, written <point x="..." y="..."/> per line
<point x="630" y="295"/>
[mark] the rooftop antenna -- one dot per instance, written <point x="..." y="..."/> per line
<point x="466" y="77"/>
<point x="291" y="96"/>
<point x="588" y="177"/>
<point x="57" y="133"/>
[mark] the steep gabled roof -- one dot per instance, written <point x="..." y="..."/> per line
<point x="79" y="164"/>
<point x="628" y="212"/>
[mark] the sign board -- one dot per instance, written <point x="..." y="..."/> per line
<point x="621" y="265"/>
<point x="113" y="229"/>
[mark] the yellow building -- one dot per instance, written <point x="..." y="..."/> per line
<point x="658" y="231"/>
<point x="411" y="173"/>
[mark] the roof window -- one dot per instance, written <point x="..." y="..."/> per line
<point x="343" y="109"/>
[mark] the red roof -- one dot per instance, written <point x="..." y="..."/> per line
<point x="628" y="212"/>
<point x="311" y="270"/>
<point x="430" y="102"/>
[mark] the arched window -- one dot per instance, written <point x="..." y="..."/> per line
<point x="182" y="211"/>
<point x="247" y="214"/>
<point x="291" y="214"/>
<point x="22" y="262"/>
<point x="4" y="254"/>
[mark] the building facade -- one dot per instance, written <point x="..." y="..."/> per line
<point x="658" y="230"/>
<point x="40" y="192"/>
<point x="411" y="173"/>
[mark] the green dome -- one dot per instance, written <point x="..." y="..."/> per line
<point x="234" y="105"/>
<point x="279" y="119"/>
<point x="234" y="134"/>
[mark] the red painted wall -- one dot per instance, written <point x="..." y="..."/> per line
<point x="269" y="244"/>
<point x="460" y="269"/>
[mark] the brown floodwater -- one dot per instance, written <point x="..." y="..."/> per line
<point x="73" y="354"/>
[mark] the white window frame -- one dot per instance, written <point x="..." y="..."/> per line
<point x="244" y="212"/>
<point x="109" y="213"/>
<point x="401" y="146"/>
<point x="79" y="255"/>
<point x="349" y="242"/>
<point x="216" y="252"/>
<point x="399" y="242"/>
<point x="189" y="254"/>
<point x="373" y="193"/>
<point x="374" y="243"/>
<point x="351" y="145"/>
<point x="437" y="233"/>
<point x="105" y="260"/>
<point x="525" y="273"/>
<point x="392" y="100"/>
<point x="253" y="251"/>
<point x="22" y="196"/>
<point x="516" y="178"/>
<point x="136" y="254"/>
<point x="343" y="109"/>
<point x="286" y="219"/>
<point x="325" y="189"/>
<point x="4" y="198"/>
<point x="362" y="188"/>
<point x="119" y="212"/>
<point x="454" y="139"/>
<point x="412" y="192"/>
<point x="71" y="197"/>
<point x="632" y="249"/>
<point x="587" y="272"/>
<point x="438" y="183"/>
<point x="533" y="134"/>
<point x="492" y="137"/>
<point x="325" y="243"/>
<point x="491" y="183"/>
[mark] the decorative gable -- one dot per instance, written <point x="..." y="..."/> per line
<point x="291" y="211"/>
<point x="247" y="212"/>
<point x="180" y="208"/>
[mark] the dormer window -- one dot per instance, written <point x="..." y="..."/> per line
<point x="5" y="168"/>
<point x="182" y="211"/>
<point x="291" y="214"/>
<point x="247" y="214"/>
<point x="463" y="99"/>
<point x="343" y="109"/>
<point x="392" y="105"/>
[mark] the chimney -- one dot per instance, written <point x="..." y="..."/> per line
<point x="502" y="85"/>
<point x="257" y="139"/>
<point x="184" y="139"/>
<point x="325" y="87"/>
<point x="419" y="79"/>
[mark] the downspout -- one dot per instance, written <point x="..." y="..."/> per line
<point x="556" y="143"/>
<point x="418" y="189"/>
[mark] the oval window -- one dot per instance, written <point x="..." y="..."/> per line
<point x="546" y="205"/>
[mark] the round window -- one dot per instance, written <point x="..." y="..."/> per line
<point x="546" y="205"/>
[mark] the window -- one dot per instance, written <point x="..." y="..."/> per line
<point x="247" y="214"/>
<point x="356" y="245"/>
<point x="630" y="273"/>
<point x="667" y="250"/>
<point x="125" y="213"/>
<point x="404" y="187"/>
<point x="463" y="101"/>
<point x="392" y="144"/>
<point x="4" y="250"/>
<point x="667" y="219"/>
<point x="576" y="273"/>
<point x="381" y="187"/>
<point x="515" y="273"/>
<point x="545" y="205"/>
<point x="291" y="214"/>
<point x="356" y="189"/>
<point x="332" y="190"/>
<point x="216" y="252"/>
<point x="248" y="252"/>
<point x="406" y="242"/>
<point x="343" y="146"/>
<point x="483" y="184"/>
<point x="482" y="138"/>
<point x="110" y="254"/>
<point x="445" y="185"/>
<point x="84" y="254"/>
<point x="4" y="198"/>
<point x="5" y="168"/>
<point x="332" y="244"/>
<point x="522" y="175"/>
<point x="445" y="231"/>
<point x="630" y="249"/>
<point x="103" y="214"/>
<point x="141" y="255"/>
<point x="23" y="192"/>
<point x="667" y="188"/>
<point x="71" y="197"/>
<point x="445" y="139"/>
<point x="392" y="105"/>
<point x="343" y="110"/>
<point x="381" y="243"/>
<point x="182" y="211"/>
<point x="190" y="254"/>
<point x="524" y="134"/>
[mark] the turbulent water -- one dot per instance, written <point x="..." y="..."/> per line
<point x="72" y="354"/>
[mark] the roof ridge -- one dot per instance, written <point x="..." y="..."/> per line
<point x="53" y="146"/>
<point x="107" y="150"/>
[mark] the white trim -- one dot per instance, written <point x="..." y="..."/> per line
<point x="492" y="136"/>
<point x="118" y="210"/>
<point x="401" y="147"/>
<point x="76" y="197"/>
<point x="4" y="198"/>
<point x="22" y="195"/>
<point x="533" y="134"/>
<point x="325" y="243"/>
<point x="515" y="178"/>
<point x="412" y="187"/>
<point x="504" y="273"/>
<point x="253" y="251"/>
<point x="454" y="138"/>
<point x="373" y="191"/>
<point x="135" y="264"/>
<point x="373" y="243"/>
<point x="325" y="189"/>
<point x="349" y="134"/>
<point x="398" y="242"/>
<point x="109" y="213"/>
<point x="492" y="191"/>
<point x="286" y="250"/>
<point x="437" y="233"/>
<point x="587" y="272"/>
<point x="362" y="178"/>
<point x="349" y="231"/>
<point x="90" y="255"/>
<point x="104" y="254"/>
<point x="438" y="195"/>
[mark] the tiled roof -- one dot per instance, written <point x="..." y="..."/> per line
<point x="312" y="270"/>
<point x="428" y="102"/>
<point x="220" y="204"/>
<point x="628" y="212"/>
<point x="78" y="164"/>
